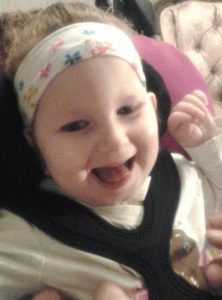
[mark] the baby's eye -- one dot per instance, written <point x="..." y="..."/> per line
<point x="126" y="110"/>
<point x="75" y="126"/>
<point x="130" y="109"/>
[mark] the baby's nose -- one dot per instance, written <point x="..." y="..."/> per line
<point x="112" y="139"/>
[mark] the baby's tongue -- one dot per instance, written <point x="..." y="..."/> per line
<point x="112" y="175"/>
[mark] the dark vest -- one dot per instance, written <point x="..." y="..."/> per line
<point x="145" y="249"/>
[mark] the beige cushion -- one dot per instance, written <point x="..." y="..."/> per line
<point x="195" y="27"/>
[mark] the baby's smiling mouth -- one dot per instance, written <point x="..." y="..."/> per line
<point x="114" y="174"/>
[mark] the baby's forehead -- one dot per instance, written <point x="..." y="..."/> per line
<point x="91" y="79"/>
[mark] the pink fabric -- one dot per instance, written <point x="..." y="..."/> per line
<point x="179" y="74"/>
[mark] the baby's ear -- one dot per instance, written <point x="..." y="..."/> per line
<point x="153" y="99"/>
<point x="28" y="134"/>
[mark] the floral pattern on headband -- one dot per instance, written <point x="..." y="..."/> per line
<point x="70" y="59"/>
<point x="98" y="48"/>
<point x="45" y="70"/>
<point x="88" y="32"/>
<point x="56" y="45"/>
<point x="64" y="48"/>
<point x="30" y="96"/>
<point x="21" y="85"/>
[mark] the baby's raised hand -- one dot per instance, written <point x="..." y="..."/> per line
<point x="190" y="122"/>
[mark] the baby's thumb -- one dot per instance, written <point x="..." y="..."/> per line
<point x="48" y="294"/>
<point x="110" y="291"/>
<point x="214" y="274"/>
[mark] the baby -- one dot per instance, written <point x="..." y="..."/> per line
<point x="111" y="205"/>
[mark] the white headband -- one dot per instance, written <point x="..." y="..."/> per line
<point x="63" y="48"/>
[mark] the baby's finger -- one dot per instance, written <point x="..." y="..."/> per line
<point x="189" y="111"/>
<point x="214" y="237"/>
<point x="48" y="294"/>
<point x="110" y="291"/>
<point x="199" y="96"/>
<point x="177" y="118"/>
<point x="202" y="96"/>
<point x="215" y="221"/>
<point x="214" y="274"/>
<point x="192" y="100"/>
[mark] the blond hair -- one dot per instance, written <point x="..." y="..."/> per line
<point x="46" y="21"/>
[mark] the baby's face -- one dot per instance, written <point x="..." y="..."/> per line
<point x="96" y="129"/>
